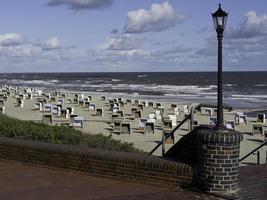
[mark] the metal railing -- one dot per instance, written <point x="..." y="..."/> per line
<point x="253" y="151"/>
<point x="169" y="134"/>
<point x="190" y="116"/>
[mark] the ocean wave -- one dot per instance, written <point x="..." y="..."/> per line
<point x="142" y="75"/>
<point x="181" y="95"/>
<point x="191" y="89"/>
<point x="243" y="100"/>
<point x="249" y="96"/>
<point x="54" y="81"/>
<point x="116" y="80"/>
<point x="230" y="85"/>
<point x="208" y="93"/>
<point x="32" y="82"/>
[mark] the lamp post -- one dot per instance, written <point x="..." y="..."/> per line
<point x="219" y="20"/>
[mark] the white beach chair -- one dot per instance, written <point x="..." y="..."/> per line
<point x="120" y="113"/>
<point x="69" y="101"/>
<point x="99" y="112"/>
<point x="261" y="118"/>
<point x="158" y="114"/>
<point x="2" y="110"/>
<point x="158" y="105"/>
<point x="64" y="113"/>
<point x="136" y="102"/>
<point x="207" y="110"/>
<point x="137" y="114"/>
<point x="81" y="96"/>
<point x="115" y="109"/>
<point x="173" y="119"/>
<point x="20" y="103"/>
<point x="150" y="127"/>
<point x="186" y="109"/>
<point x="128" y="101"/>
<point x="173" y="106"/>
<point x="60" y="102"/>
<point x="240" y="118"/>
<point x="133" y="111"/>
<point x="125" y="128"/>
<point x="212" y="121"/>
<point x="2" y="102"/>
<point x="48" y="108"/>
<point x="167" y="123"/>
<point x="78" y="122"/>
<point x="140" y="107"/>
<point x="71" y="110"/>
<point x="152" y="116"/>
<point x="230" y="125"/>
<point x="38" y="106"/>
<point x="142" y="123"/>
<point x="86" y="104"/>
<point x="47" y="119"/>
<point x="29" y="96"/>
<point x="117" y="125"/>
<point x="56" y="110"/>
<point x="177" y="111"/>
<point x="92" y="107"/>
<point x="144" y="103"/>
<point x="151" y="104"/>
<point x="257" y="128"/>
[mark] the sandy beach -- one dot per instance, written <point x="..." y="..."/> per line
<point x="93" y="124"/>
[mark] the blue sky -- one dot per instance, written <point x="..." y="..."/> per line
<point x="129" y="35"/>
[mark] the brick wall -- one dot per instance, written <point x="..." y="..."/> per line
<point x="134" y="166"/>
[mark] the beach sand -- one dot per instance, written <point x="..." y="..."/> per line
<point x="102" y="124"/>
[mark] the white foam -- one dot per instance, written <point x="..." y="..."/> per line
<point x="54" y="81"/>
<point x="115" y="80"/>
<point x="230" y="85"/>
<point x="32" y="82"/>
<point x="248" y="96"/>
<point x="142" y="75"/>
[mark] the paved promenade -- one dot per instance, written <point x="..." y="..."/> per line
<point x="25" y="181"/>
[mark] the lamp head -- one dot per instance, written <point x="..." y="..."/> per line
<point x="219" y="19"/>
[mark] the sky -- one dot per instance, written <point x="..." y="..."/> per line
<point x="130" y="35"/>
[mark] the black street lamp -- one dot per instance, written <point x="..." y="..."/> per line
<point x="219" y="20"/>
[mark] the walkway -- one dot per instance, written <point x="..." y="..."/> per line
<point x="25" y="181"/>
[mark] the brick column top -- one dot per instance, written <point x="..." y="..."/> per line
<point x="219" y="136"/>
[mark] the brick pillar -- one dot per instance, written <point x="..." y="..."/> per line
<point x="218" y="160"/>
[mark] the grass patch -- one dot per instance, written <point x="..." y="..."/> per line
<point x="29" y="130"/>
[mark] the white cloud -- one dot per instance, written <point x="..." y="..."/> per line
<point x="244" y="47"/>
<point x="20" y="51"/>
<point x="17" y="50"/>
<point x="51" y="44"/>
<point x="11" y="39"/>
<point x="123" y="43"/>
<point x="135" y="52"/>
<point x="254" y="25"/>
<point x="80" y="4"/>
<point x="15" y="45"/>
<point x="158" y="18"/>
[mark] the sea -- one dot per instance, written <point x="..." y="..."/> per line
<point x="240" y="89"/>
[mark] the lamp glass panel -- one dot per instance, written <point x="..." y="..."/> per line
<point x="224" y="21"/>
